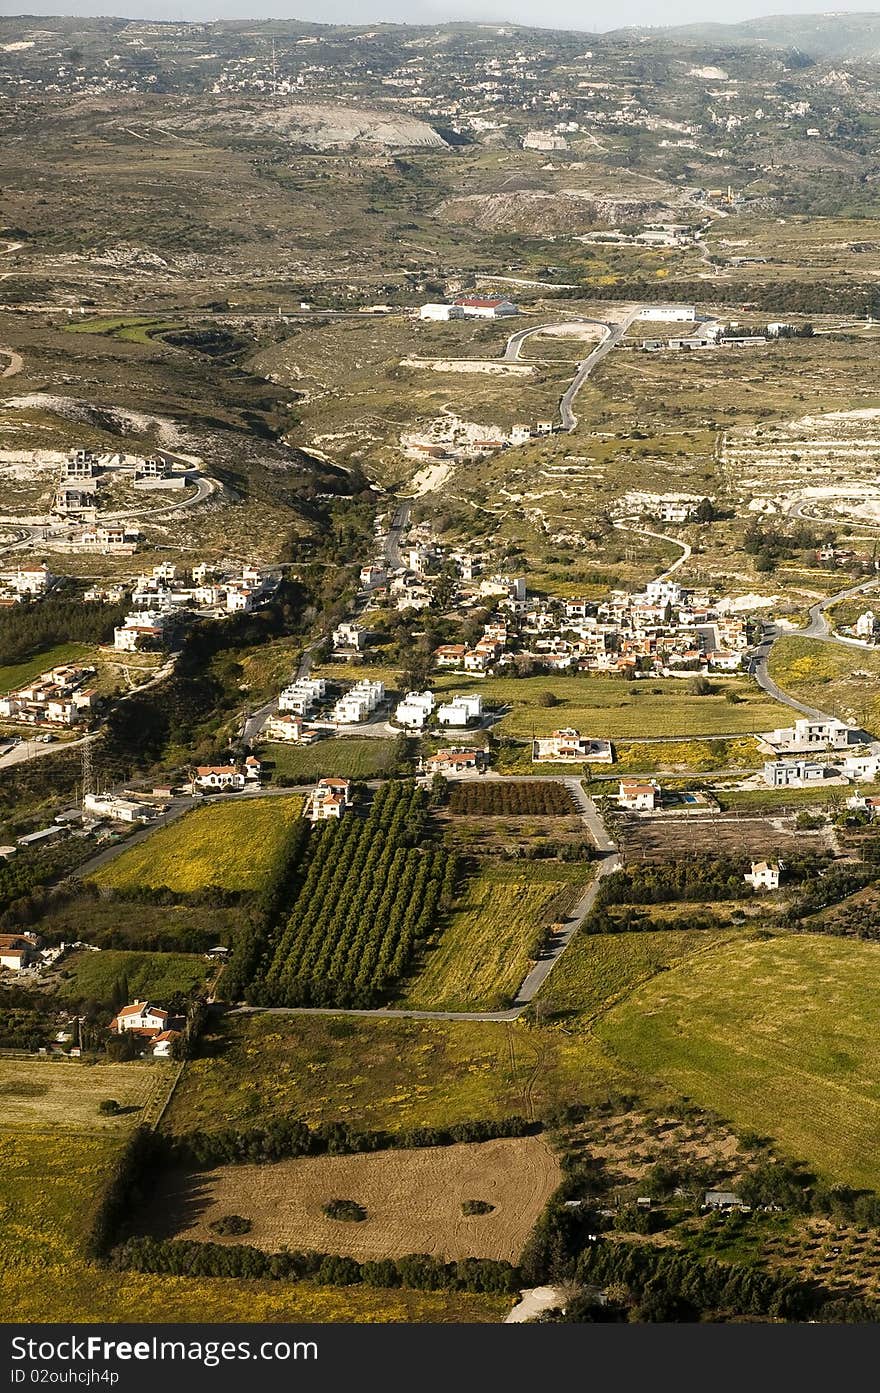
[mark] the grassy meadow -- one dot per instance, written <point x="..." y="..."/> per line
<point x="779" y="1035"/>
<point x="151" y="976"/>
<point x="611" y="708"/>
<point x="832" y="677"/>
<point x="383" y="1073"/>
<point x="14" y="675"/>
<point x="485" y="950"/>
<point x="355" y="758"/>
<point x="231" y="844"/>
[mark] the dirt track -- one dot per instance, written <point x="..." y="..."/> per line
<point x="413" y="1200"/>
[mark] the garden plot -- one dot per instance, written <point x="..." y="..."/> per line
<point x="413" y="1201"/>
<point x="657" y="839"/>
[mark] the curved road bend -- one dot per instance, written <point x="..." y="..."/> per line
<point x="817" y="628"/>
<point x="611" y="335"/>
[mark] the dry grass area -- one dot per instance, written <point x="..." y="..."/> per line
<point x="47" y="1096"/>
<point x="656" y="839"/>
<point x="413" y="1200"/>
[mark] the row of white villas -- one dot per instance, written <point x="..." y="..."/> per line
<point x="301" y="695"/>
<point x="359" y="702"/>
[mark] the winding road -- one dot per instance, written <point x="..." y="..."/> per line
<point x="818" y="628"/>
<point x="612" y="333"/>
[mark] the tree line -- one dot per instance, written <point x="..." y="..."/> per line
<point x="185" y="1257"/>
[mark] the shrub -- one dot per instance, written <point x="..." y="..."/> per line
<point x="108" y="1107"/>
<point x="470" y="1207"/>
<point x="348" y="1211"/>
<point x="231" y="1226"/>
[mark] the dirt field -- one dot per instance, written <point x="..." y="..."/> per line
<point x="656" y="839"/>
<point x="413" y="1200"/>
<point x="54" y="1096"/>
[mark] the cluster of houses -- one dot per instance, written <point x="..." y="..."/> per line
<point x="666" y="630"/>
<point x="62" y="696"/>
<point x="76" y="496"/>
<point x="162" y="597"/>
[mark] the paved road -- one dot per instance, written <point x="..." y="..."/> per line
<point x="395" y="535"/>
<point x="817" y="628"/>
<point x="612" y="333"/>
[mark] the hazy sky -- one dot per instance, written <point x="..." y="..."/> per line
<point x="564" y="14"/>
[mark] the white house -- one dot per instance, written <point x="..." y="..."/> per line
<point x="792" y="773"/>
<point x="289" y="729"/>
<point x="764" y="875"/>
<point x="441" y="312"/>
<point x="301" y="695"/>
<point x="461" y="710"/>
<point x="348" y="635"/>
<point x="329" y="800"/>
<point x="18" y="951"/>
<point x="866" y="625"/>
<point x="807" y="734"/>
<point x="141" y="1016"/>
<point x="218" y="776"/>
<point x="570" y="747"/>
<point x="663" y="592"/>
<point x="414" y="710"/>
<point x="638" y="797"/>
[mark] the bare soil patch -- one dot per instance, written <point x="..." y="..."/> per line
<point x="413" y="1200"/>
<point x="656" y="839"/>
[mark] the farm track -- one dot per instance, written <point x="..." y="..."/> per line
<point x="536" y="976"/>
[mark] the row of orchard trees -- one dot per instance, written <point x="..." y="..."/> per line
<point x="370" y="898"/>
<point x="506" y="797"/>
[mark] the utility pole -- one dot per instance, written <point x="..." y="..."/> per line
<point x="87" y="785"/>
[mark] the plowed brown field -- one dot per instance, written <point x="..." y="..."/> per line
<point x="413" y="1200"/>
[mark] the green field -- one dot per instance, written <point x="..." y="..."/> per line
<point x="824" y="676"/>
<point x="129" y="329"/>
<point x="383" y="1073"/>
<point x="354" y="758"/>
<point x="598" y="970"/>
<point x="155" y="977"/>
<point x="61" y="1096"/>
<point x="611" y="708"/>
<point x="779" y="1035"/>
<point x="483" y="954"/>
<point x="17" y="674"/>
<point x="232" y="844"/>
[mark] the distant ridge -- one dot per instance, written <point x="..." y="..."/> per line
<point x="830" y="35"/>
